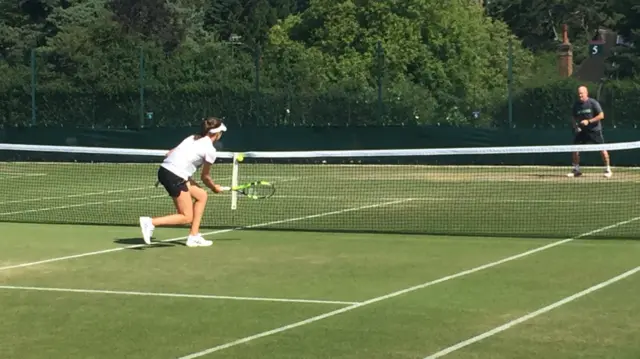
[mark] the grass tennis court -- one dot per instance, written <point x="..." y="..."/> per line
<point x="160" y="301"/>
<point x="380" y="283"/>
<point x="449" y="200"/>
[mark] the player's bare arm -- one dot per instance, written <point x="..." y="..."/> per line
<point x="599" y="117"/>
<point x="205" y="176"/>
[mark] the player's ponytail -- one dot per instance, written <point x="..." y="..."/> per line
<point x="208" y="124"/>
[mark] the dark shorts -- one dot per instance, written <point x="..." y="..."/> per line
<point x="585" y="137"/>
<point x="172" y="183"/>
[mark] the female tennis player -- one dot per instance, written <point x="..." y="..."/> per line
<point x="175" y="174"/>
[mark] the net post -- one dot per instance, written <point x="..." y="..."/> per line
<point x="234" y="182"/>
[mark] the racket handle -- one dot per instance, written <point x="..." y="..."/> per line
<point x="225" y="188"/>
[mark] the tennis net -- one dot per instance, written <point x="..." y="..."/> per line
<point x="500" y="191"/>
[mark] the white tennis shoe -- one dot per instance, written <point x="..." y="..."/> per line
<point x="198" y="241"/>
<point x="147" y="229"/>
<point x="574" y="173"/>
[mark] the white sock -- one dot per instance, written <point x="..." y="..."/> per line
<point x="576" y="167"/>
<point x="607" y="169"/>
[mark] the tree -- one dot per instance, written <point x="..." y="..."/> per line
<point x="451" y="50"/>
<point x="151" y="19"/>
<point x="539" y="22"/>
<point x="625" y="63"/>
<point x="251" y="20"/>
<point x="22" y="27"/>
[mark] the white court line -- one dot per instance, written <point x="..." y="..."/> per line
<point x="398" y="293"/>
<point x="521" y="200"/>
<point x="328" y="197"/>
<point x="283" y="178"/>
<point x="475" y="179"/>
<point x="532" y="315"/>
<point x="80" y="205"/>
<point x="5" y="176"/>
<point x="460" y="199"/>
<point x="75" y="195"/>
<point x="353" y="209"/>
<point x="10" y="173"/>
<point x="176" y="295"/>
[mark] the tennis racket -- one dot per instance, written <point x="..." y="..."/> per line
<point x="254" y="190"/>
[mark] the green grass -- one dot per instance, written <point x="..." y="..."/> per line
<point x="450" y="200"/>
<point x="346" y="267"/>
<point x="338" y="235"/>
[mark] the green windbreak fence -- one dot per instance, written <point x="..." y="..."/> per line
<point x="140" y="87"/>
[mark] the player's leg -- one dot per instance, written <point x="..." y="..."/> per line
<point x="177" y="189"/>
<point x="598" y="138"/>
<point x="575" y="156"/>
<point x="607" y="164"/>
<point x="200" y="196"/>
<point x="184" y="215"/>
<point x="575" y="161"/>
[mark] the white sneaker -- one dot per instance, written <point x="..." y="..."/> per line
<point x="608" y="173"/>
<point x="198" y="241"/>
<point x="147" y="229"/>
<point x="574" y="173"/>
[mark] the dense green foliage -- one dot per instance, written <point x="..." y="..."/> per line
<point x="293" y="62"/>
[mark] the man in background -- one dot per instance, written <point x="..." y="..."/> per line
<point x="587" y="116"/>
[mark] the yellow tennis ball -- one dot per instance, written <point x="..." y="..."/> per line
<point x="240" y="157"/>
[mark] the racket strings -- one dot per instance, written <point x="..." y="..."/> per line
<point x="260" y="190"/>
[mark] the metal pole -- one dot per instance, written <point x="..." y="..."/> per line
<point x="141" y="87"/>
<point x="380" y="56"/>
<point x="33" y="87"/>
<point x="510" y="82"/>
<point x="257" y="82"/>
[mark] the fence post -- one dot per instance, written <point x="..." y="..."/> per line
<point x="380" y="56"/>
<point x="257" y="83"/>
<point x="510" y="81"/>
<point x="33" y="88"/>
<point x="141" y="76"/>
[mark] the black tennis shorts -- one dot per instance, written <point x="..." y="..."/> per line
<point x="172" y="183"/>
<point x="585" y="137"/>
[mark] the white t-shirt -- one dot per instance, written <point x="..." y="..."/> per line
<point x="189" y="156"/>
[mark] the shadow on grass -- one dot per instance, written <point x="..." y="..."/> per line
<point x="137" y="241"/>
<point x="542" y="175"/>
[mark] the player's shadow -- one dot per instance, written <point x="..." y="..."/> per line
<point x="548" y="175"/>
<point x="140" y="245"/>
